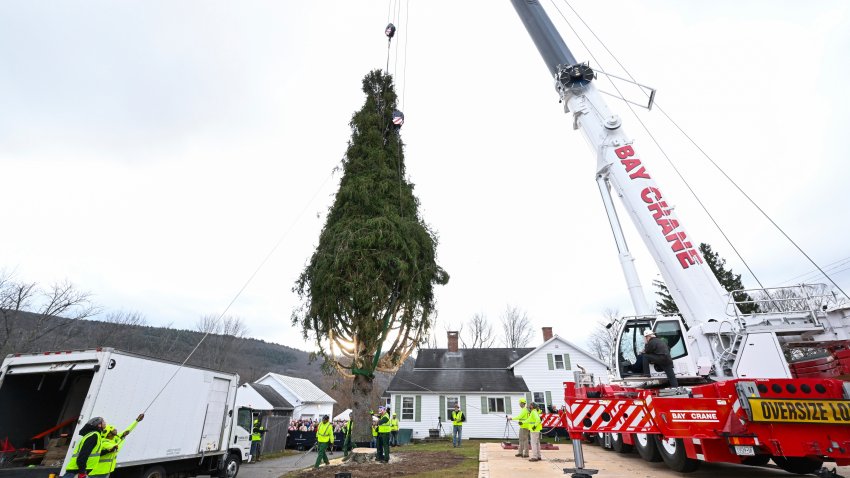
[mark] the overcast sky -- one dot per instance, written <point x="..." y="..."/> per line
<point x="153" y="152"/>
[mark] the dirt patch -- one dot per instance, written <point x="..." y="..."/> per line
<point x="408" y="463"/>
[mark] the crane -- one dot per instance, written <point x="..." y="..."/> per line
<point x="745" y="402"/>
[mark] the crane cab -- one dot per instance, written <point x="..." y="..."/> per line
<point x="630" y="344"/>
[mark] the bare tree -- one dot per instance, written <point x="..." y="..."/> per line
<point x="117" y="320"/>
<point x="516" y="327"/>
<point x="28" y="313"/>
<point x="480" y="333"/>
<point x="603" y="338"/>
<point x="220" y="342"/>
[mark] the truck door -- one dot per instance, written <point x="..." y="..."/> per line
<point x="216" y="414"/>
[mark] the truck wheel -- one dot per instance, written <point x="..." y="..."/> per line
<point x="799" y="465"/>
<point x="154" y="472"/>
<point x="618" y="444"/>
<point x="230" y="467"/>
<point x="673" y="453"/>
<point x="758" y="460"/>
<point x="646" y="448"/>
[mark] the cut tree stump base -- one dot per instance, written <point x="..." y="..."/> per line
<point x="365" y="455"/>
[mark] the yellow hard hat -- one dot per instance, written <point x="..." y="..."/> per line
<point x="521" y="400"/>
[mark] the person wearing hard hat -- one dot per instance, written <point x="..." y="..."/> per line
<point x="384" y="429"/>
<point x="655" y="352"/>
<point x="535" y="424"/>
<point x="111" y="444"/>
<point x="394" y="430"/>
<point x="325" y="438"/>
<point x="522" y="418"/>
<point x="87" y="451"/>
<point x="257" y="432"/>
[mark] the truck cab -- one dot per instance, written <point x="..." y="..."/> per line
<point x="630" y="343"/>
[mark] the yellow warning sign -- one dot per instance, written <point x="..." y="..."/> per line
<point x="800" y="411"/>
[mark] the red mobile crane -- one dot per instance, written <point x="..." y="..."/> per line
<point x="741" y="400"/>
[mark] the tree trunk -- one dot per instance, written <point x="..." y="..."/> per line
<point x="361" y="391"/>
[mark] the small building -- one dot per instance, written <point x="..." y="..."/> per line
<point x="262" y="402"/>
<point x="486" y="383"/>
<point x="308" y="400"/>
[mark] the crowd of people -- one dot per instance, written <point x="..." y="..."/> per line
<point x="310" y="425"/>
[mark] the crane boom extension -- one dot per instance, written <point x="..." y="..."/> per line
<point x="692" y="284"/>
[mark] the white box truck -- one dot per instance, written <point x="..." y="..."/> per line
<point x="192" y="428"/>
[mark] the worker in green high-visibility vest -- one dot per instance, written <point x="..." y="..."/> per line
<point x="87" y="451"/>
<point x="522" y="418"/>
<point x="384" y="429"/>
<point x="457" y="425"/>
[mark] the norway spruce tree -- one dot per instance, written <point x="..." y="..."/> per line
<point x="367" y="292"/>
<point x="728" y="279"/>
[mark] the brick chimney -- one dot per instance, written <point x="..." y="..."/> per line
<point x="452" y="341"/>
<point x="547" y="333"/>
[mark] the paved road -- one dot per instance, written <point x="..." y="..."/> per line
<point x="278" y="466"/>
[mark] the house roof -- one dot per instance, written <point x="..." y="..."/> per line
<point x="467" y="359"/>
<point x="270" y="395"/>
<point x="454" y="380"/>
<point x="301" y="388"/>
<point x="561" y="339"/>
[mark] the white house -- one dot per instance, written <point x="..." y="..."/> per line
<point x="487" y="383"/>
<point x="308" y="400"/>
<point x="545" y="369"/>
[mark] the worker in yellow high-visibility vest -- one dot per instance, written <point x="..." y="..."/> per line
<point x="535" y="424"/>
<point x="87" y="451"/>
<point x="111" y="444"/>
<point x="457" y="425"/>
<point x="394" y="430"/>
<point x="384" y="429"/>
<point x="522" y="418"/>
<point x="325" y="438"/>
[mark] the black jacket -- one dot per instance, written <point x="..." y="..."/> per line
<point x="86" y="448"/>
<point x="658" y="352"/>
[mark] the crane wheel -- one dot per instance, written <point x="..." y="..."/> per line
<point x="646" y="447"/>
<point x="619" y="445"/>
<point x="673" y="453"/>
<point x="799" y="465"/>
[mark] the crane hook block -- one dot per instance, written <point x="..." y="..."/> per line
<point x="390" y="31"/>
<point x="398" y="119"/>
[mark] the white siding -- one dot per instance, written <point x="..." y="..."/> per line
<point x="477" y="425"/>
<point x="534" y="369"/>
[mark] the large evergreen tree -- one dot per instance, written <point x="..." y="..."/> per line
<point x="728" y="279"/>
<point x="368" y="291"/>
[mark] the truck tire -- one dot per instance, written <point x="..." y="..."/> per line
<point x="155" y="471"/>
<point x="799" y="465"/>
<point x="619" y="445"/>
<point x="230" y="467"/>
<point x="646" y="448"/>
<point x="673" y="453"/>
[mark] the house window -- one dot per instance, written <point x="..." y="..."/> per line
<point x="407" y="408"/>
<point x="540" y="398"/>
<point x="559" y="362"/>
<point x="450" y="406"/>
<point x="495" y="404"/>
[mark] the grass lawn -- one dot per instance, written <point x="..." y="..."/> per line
<point x="468" y="467"/>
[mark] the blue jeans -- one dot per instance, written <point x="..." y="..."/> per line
<point x="457" y="430"/>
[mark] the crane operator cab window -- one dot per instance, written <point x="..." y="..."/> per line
<point x="670" y="331"/>
<point x="631" y="344"/>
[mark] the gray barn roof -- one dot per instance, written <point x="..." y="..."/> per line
<point x="271" y="396"/>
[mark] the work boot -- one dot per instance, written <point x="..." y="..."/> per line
<point x="518" y="454"/>
<point x="534" y="459"/>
